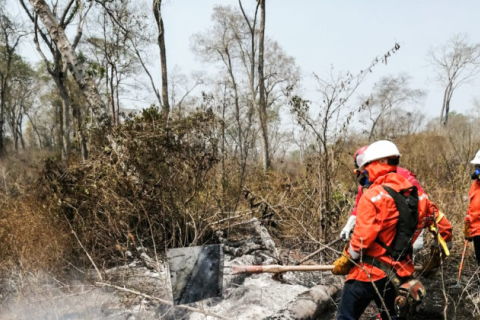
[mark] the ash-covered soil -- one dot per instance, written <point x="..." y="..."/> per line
<point x="300" y="295"/>
<point x="258" y="296"/>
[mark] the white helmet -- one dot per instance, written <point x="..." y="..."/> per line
<point x="476" y="160"/>
<point x="379" y="150"/>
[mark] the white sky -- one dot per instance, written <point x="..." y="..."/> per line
<point x="347" y="34"/>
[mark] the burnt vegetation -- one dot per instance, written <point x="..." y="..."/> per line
<point x="87" y="180"/>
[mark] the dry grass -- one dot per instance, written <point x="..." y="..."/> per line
<point x="145" y="186"/>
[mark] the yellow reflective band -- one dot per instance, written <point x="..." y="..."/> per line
<point x="440" y="240"/>
<point x="439" y="217"/>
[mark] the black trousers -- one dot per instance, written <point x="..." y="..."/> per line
<point x="476" y="245"/>
<point x="357" y="295"/>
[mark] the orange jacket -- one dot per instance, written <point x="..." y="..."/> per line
<point x="473" y="212"/>
<point x="377" y="216"/>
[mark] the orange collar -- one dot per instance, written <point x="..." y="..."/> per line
<point x="376" y="170"/>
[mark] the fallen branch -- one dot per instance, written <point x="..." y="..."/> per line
<point x="170" y="303"/>
<point x="243" y="213"/>
<point x="85" y="250"/>
<point x="325" y="246"/>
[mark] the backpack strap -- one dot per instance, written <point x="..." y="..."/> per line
<point x="402" y="207"/>
<point x="384" y="246"/>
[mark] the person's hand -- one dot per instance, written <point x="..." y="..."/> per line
<point x="342" y="264"/>
<point x="348" y="228"/>
<point x="466" y="231"/>
<point x="345" y="234"/>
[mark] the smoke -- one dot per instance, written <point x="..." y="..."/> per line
<point x="47" y="298"/>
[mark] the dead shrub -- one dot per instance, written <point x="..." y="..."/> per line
<point x="32" y="238"/>
<point x="145" y="186"/>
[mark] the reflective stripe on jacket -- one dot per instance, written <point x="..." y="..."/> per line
<point x="473" y="212"/>
<point x="377" y="216"/>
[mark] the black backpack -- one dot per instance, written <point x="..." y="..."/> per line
<point x="406" y="201"/>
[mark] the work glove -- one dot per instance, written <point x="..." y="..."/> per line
<point x="348" y="228"/>
<point x="466" y="231"/>
<point x="342" y="264"/>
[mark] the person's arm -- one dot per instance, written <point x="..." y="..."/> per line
<point x="348" y="228"/>
<point x="436" y="217"/>
<point x="443" y="232"/>
<point x="367" y="226"/>
<point x="466" y="225"/>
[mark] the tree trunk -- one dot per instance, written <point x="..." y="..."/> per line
<point x="35" y="129"/>
<point x="443" y="105"/>
<point x="81" y="132"/>
<point x="118" y="97"/>
<point x="157" y="11"/>
<point x="65" y="121"/>
<point x="2" y="116"/>
<point x="66" y="125"/>
<point x="242" y="151"/>
<point x="14" y="135"/>
<point x="20" y="135"/>
<point x="447" y="103"/>
<point x="112" y="100"/>
<point x="447" y="110"/>
<point x="261" y="82"/>
<point x="60" y="131"/>
<point x="86" y="84"/>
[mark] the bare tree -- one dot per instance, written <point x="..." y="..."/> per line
<point x="262" y="95"/>
<point x="182" y="88"/>
<point x="18" y="99"/>
<point x="39" y="114"/>
<point x="112" y="52"/>
<point x="390" y="98"/>
<point x="10" y="37"/>
<point x="64" y="59"/>
<point x="456" y="63"/>
<point x="229" y="43"/>
<point x="157" y="11"/>
<point x="133" y="23"/>
<point x="329" y="128"/>
<point x="67" y="49"/>
<point x="220" y="45"/>
<point x="276" y="71"/>
<point x="326" y="128"/>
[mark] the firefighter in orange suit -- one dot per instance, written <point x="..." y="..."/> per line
<point x="364" y="184"/>
<point x="375" y="228"/>
<point x="472" y="220"/>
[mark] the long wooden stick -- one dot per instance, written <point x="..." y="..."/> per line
<point x="280" y="269"/>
